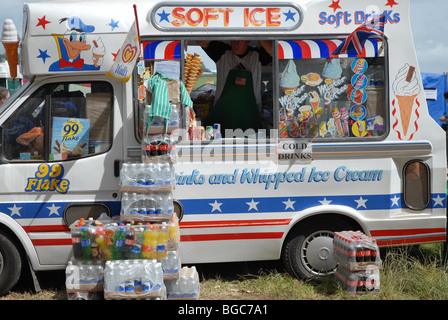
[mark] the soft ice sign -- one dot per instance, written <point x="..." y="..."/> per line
<point x="220" y="17"/>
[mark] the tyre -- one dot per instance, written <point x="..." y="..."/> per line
<point x="308" y="250"/>
<point x="10" y="264"/>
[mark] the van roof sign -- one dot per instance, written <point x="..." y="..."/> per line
<point x="188" y="16"/>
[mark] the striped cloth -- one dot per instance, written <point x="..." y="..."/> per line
<point x="160" y="104"/>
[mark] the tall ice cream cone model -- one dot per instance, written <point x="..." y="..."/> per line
<point x="406" y="89"/>
<point x="10" y="40"/>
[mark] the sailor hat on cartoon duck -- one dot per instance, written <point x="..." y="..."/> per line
<point x="71" y="45"/>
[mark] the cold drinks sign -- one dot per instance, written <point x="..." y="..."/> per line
<point x="173" y="17"/>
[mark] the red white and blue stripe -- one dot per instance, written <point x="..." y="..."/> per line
<point x="317" y="49"/>
<point x="161" y="50"/>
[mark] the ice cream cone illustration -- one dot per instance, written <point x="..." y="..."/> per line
<point x="406" y="103"/>
<point x="314" y="101"/>
<point x="10" y="40"/>
<point x="289" y="79"/>
<point x="98" y="52"/>
<point x="406" y="89"/>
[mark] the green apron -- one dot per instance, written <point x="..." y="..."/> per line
<point x="237" y="107"/>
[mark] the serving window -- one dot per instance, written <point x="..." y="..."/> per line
<point x="326" y="97"/>
<point x="304" y="91"/>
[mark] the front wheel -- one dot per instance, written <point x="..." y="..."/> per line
<point x="10" y="264"/>
<point x="308" y="251"/>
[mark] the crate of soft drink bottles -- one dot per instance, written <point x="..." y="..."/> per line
<point x="359" y="282"/>
<point x="355" y="250"/>
<point x="134" y="279"/>
<point x="93" y="240"/>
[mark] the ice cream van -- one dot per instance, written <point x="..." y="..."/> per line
<point x="320" y="106"/>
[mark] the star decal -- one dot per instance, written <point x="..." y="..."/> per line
<point x="164" y="16"/>
<point x="216" y="206"/>
<point x="438" y="201"/>
<point x="43" y="55"/>
<point x="252" y="205"/>
<point x="361" y="203"/>
<point x="53" y="210"/>
<point x="42" y="22"/>
<point x="395" y="200"/>
<point x="335" y="5"/>
<point x="15" y="210"/>
<point x="113" y="24"/>
<point x="289" y="204"/>
<point x="391" y="3"/>
<point x="325" y="202"/>
<point x="290" y="15"/>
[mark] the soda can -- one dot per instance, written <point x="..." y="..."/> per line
<point x="201" y="133"/>
<point x="192" y="133"/>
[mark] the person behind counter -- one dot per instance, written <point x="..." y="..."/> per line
<point x="4" y="95"/>
<point x="238" y="90"/>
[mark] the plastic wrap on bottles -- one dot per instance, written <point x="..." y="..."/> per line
<point x="358" y="282"/>
<point x="147" y="207"/>
<point x="134" y="279"/>
<point x="187" y="287"/>
<point x="354" y="249"/>
<point x="142" y="177"/>
<point x="82" y="277"/>
<point x="358" y="260"/>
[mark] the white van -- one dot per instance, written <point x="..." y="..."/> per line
<point x="344" y="142"/>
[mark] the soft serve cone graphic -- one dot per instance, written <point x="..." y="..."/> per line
<point x="10" y="40"/>
<point x="406" y="90"/>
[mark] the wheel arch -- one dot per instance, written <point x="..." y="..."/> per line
<point x="20" y="238"/>
<point x="331" y="213"/>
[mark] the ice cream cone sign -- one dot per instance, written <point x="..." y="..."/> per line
<point x="406" y="88"/>
<point x="10" y="40"/>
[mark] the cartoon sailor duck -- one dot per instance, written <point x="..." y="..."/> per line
<point x="72" y="44"/>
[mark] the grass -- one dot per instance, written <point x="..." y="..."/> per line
<point x="406" y="274"/>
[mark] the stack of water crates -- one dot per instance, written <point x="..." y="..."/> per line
<point x="358" y="261"/>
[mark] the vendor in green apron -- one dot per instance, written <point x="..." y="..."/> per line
<point x="238" y="90"/>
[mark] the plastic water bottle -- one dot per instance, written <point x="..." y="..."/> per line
<point x="158" y="276"/>
<point x="71" y="275"/>
<point x="168" y="203"/>
<point x="141" y="174"/>
<point x="150" y="203"/>
<point x="158" y="175"/>
<point x="158" y="204"/>
<point x="133" y="207"/>
<point x="174" y="118"/>
<point x="125" y="174"/>
<point x="150" y="172"/>
<point x="165" y="173"/>
<point x="133" y="174"/>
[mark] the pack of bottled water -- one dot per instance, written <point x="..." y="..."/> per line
<point x="134" y="279"/>
<point x="83" y="280"/>
<point x="141" y="176"/>
<point x="185" y="287"/>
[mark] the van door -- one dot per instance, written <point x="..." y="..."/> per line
<point x="61" y="143"/>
